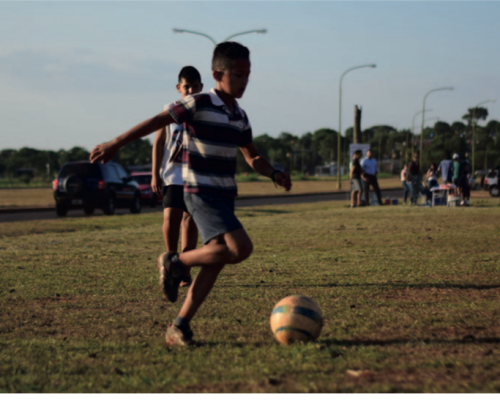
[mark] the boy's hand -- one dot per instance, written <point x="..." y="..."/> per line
<point x="103" y="153"/>
<point x="283" y="179"/>
<point x="156" y="185"/>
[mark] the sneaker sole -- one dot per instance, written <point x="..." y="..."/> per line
<point x="168" y="285"/>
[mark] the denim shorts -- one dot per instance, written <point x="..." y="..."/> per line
<point x="212" y="213"/>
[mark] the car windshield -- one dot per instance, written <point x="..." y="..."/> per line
<point x="142" y="179"/>
<point x="86" y="170"/>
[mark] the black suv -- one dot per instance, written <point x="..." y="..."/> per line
<point x="81" y="184"/>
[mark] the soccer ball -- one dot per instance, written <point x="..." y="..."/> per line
<point x="296" y="319"/>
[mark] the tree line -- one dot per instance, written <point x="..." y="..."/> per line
<point x="300" y="154"/>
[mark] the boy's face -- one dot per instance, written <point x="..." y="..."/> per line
<point x="186" y="88"/>
<point x="234" y="80"/>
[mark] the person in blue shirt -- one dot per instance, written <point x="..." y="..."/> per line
<point x="370" y="166"/>
<point x="446" y="169"/>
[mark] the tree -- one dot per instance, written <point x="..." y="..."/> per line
<point x="138" y="152"/>
<point x="475" y="113"/>
<point x="324" y="144"/>
<point x="458" y="128"/>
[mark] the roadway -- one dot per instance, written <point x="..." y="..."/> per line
<point x="17" y="215"/>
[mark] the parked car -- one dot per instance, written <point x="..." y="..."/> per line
<point x="81" y="184"/>
<point x="491" y="182"/>
<point x="144" y="181"/>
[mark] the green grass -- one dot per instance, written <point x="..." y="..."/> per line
<point x="409" y="295"/>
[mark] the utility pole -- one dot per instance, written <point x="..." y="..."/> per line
<point x="356" y="134"/>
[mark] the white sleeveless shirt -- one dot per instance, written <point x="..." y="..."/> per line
<point x="171" y="170"/>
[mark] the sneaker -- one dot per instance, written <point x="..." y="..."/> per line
<point x="171" y="275"/>
<point x="179" y="337"/>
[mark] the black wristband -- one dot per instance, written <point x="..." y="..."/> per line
<point x="274" y="173"/>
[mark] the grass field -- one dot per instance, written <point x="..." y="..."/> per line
<point x="409" y="295"/>
<point x="44" y="197"/>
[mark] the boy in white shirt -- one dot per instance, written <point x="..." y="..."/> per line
<point x="167" y="176"/>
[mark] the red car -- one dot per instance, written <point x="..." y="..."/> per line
<point x="147" y="195"/>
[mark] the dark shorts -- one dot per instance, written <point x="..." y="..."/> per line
<point x="173" y="197"/>
<point x="213" y="214"/>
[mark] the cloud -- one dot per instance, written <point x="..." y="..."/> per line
<point x="82" y="70"/>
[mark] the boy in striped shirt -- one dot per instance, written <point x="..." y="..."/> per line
<point x="214" y="126"/>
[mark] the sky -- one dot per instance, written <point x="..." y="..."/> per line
<point x="81" y="73"/>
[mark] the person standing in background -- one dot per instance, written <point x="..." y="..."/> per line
<point x="416" y="179"/>
<point x="370" y="166"/>
<point x="355" y="177"/>
<point x="406" y="183"/>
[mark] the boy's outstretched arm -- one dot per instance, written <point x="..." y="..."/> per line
<point x="157" y="157"/>
<point x="106" y="151"/>
<point x="263" y="167"/>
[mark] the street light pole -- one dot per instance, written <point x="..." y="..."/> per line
<point x="423" y="119"/>
<point x="413" y="132"/>
<point x="246" y="32"/>
<point x="340" y="116"/>
<point x="474" y="129"/>
<point x="176" y="30"/>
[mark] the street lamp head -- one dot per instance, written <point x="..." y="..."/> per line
<point x="373" y="65"/>
<point x="178" y="30"/>
<point x="261" y="31"/>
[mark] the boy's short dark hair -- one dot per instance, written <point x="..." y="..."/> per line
<point x="227" y="52"/>
<point x="189" y="74"/>
<point x="358" y="152"/>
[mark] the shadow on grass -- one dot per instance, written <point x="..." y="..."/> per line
<point x="214" y="344"/>
<point x="381" y="285"/>
<point x="264" y="211"/>
<point x="469" y="339"/>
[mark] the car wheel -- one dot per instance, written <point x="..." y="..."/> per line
<point x="135" y="208"/>
<point x="494" y="190"/>
<point x="88" y="210"/>
<point x="109" y="209"/>
<point x="61" y="209"/>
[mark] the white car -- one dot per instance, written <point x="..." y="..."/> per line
<point x="491" y="182"/>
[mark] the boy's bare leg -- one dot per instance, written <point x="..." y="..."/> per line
<point x="229" y="248"/>
<point x="357" y="197"/>
<point x="189" y="233"/>
<point x="232" y="247"/>
<point x="172" y="218"/>
<point x="199" y="290"/>
<point x="189" y="239"/>
<point x="354" y="198"/>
